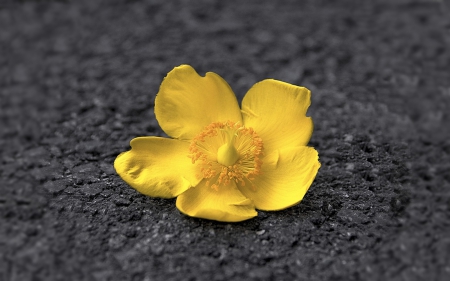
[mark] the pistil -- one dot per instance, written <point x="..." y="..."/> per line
<point x="227" y="154"/>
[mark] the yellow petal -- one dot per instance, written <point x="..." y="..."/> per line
<point x="157" y="167"/>
<point x="224" y="204"/>
<point x="187" y="102"/>
<point x="285" y="177"/>
<point x="276" y="111"/>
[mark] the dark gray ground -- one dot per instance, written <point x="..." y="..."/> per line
<point x="78" y="82"/>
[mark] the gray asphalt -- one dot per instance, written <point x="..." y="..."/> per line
<point x="78" y="81"/>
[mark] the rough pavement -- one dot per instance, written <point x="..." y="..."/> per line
<point x="78" y="82"/>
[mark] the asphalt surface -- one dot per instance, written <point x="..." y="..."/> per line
<point x="78" y="81"/>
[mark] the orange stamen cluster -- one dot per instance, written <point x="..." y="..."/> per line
<point x="204" y="148"/>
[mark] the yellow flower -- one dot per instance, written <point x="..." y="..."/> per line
<point x="224" y="161"/>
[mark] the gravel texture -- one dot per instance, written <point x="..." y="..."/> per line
<point x="78" y="81"/>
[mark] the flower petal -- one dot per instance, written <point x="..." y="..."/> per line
<point x="276" y="111"/>
<point x="157" y="167"/>
<point x="225" y="204"/>
<point x="187" y="102"/>
<point x="285" y="177"/>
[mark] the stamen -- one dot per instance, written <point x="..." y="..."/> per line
<point x="227" y="152"/>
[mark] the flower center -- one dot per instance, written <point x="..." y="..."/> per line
<point x="227" y="152"/>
